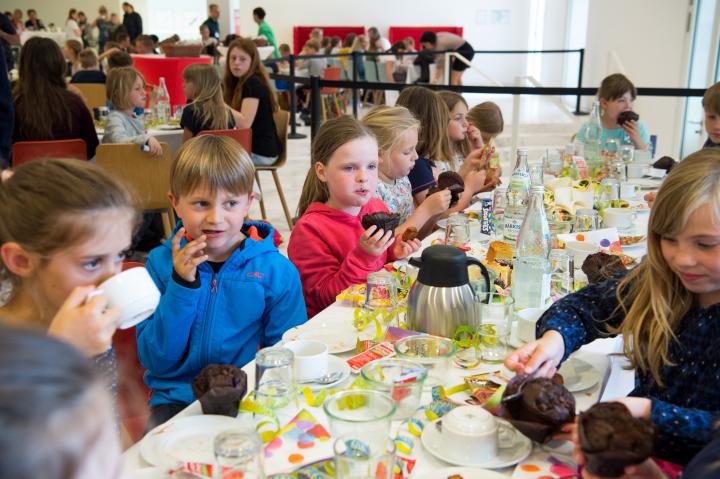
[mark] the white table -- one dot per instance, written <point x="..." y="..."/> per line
<point x="58" y="37"/>
<point x="174" y="137"/>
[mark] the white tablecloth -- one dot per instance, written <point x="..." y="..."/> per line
<point x="59" y="37"/>
<point x="174" y="138"/>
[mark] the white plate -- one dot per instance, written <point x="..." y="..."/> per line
<point x="578" y="375"/>
<point x="147" y="473"/>
<point x="187" y="439"/>
<point x="432" y="441"/>
<point x="646" y="183"/>
<point x="337" y="340"/>
<point x="169" y="127"/>
<point x="467" y="472"/>
<point x="334" y="364"/>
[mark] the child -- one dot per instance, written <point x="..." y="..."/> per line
<point x="206" y="109"/>
<point x="89" y="68"/>
<point x="616" y="94"/>
<point x="226" y="290"/>
<point x="433" y="146"/>
<point x="71" y="50"/>
<point x="65" y="227"/>
<point x="246" y="88"/>
<point x="144" y="45"/>
<point x="485" y="119"/>
<point x="58" y="422"/>
<point x="329" y="245"/>
<point x="711" y="105"/>
<point x="666" y="309"/>
<point x="126" y="91"/>
<point x="396" y="131"/>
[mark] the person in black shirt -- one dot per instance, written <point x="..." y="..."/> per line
<point x="212" y="21"/>
<point x="206" y="109"/>
<point x="33" y="22"/>
<point x="89" y="69"/>
<point x="8" y="36"/>
<point x="132" y="21"/>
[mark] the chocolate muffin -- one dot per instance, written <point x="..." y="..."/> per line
<point x="452" y="181"/>
<point x="625" y="116"/>
<point x="384" y="221"/>
<point x="219" y="388"/>
<point x="601" y="266"/>
<point x="611" y="439"/>
<point x="537" y="407"/>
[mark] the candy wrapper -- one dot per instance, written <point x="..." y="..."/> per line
<point x="353" y="295"/>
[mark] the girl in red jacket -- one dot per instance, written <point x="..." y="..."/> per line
<point x="328" y="245"/>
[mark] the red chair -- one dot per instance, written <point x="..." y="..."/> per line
<point x="133" y="394"/>
<point x="24" y="151"/>
<point x="241" y="135"/>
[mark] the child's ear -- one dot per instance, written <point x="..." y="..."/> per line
<point x="17" y="260"/>
<point x="320" y="171"/>
<point x="174" y="203"/>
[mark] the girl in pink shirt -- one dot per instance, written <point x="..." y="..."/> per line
<point x="329" y="246"/>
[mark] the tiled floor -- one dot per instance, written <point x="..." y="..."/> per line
<point x="542" y="125"/>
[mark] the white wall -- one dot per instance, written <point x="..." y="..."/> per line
<point x="56" y="11"/>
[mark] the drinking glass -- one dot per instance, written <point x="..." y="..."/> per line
<point x="611" y="149"/>
<point x="274" y="377"/>
<point x="586" y="219"/>
<point x="457" y="231"/>
<point x="627" y="152"/>
<point x="618" y="170"/>
<point x="535" y="171"/>
<point x="238" y="453"/>
<point x="177" y="112"/>
<point x="381" y="291"/>
<point x="561" y="272"/>
<point x="495" y="312"/>
<point x="609" y="193"/>
<point x="364" y="456"/>
<point x="360" y="411"/>
<point x="433" y="352"/>
<point x="554" y="161"/>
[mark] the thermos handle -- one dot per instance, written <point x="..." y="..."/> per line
<point x="415" y="261"/>
<point x="484" y="272"/>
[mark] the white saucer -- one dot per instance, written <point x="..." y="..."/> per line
<point x="578" y="375"/>
<point x="433" y="443"/>
<point x="646" y="183"/>
<point x="147" y="473"/>
<point x="334" y="364"/>
<point x="469" y="472"/>
<point x="169" y="127"/>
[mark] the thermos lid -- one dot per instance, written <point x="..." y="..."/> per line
<point x="443" y="266"/>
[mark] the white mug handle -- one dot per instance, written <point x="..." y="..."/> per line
<point x="93" y="293"/>
<point x="506" y="435"/>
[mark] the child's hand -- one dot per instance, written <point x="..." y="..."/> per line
<point x="540" y="357"/>
<point x="155" y="147"/>
<point x="475" y="181"/>
<point x="475" y="137"/>
<point x="403" y="249"/>
<point x="650" y="198"/>
<point x="438" y="203"/>
<point x="633" y="130"/>
<point x="375" y="241"/>
<point x="187" y="258"/>
<point x="85" y="323"/>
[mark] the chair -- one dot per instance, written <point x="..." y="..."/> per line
<point x="24" y="151"/>
<point x="94" y="94"/>
<point x="281" y="118"/>
<point x="241" y="135"/>
<point x="148" y="176"/>
<point x="329" y="95"/>
<point x="133" y="394"/>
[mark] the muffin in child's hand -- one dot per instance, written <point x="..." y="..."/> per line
<point x="384" y="221"/>
<point x="626" y="116"/>
<point x="537" y="407"/>
<point x="452" y="181"/>
<point x="219" y="388"/>
<point x="611" y="439"/>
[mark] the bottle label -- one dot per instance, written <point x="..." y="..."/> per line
<point x="520" y="180"/>
<point x="511" y="227"/>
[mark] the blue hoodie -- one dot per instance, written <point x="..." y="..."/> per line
<point x="254" y="298"/>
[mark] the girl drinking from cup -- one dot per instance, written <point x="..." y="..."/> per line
<point x="329" y="245"/>
<point x="666" y="309"/>
<point x="396" y="131"/>
<point x="126" y="91"/>
<point x="206" y="109"/>
<point x="65" y="227"/>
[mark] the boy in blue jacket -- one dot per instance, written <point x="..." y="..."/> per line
<point x="226" y="290"/>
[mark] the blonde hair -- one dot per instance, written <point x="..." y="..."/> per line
<point x="388" y="124"/>
<point x="434" y="116"/>
<point x="711" y="99"/>
<point x="88" y="58"/>
<point x="451" y="99"/>
<point x="332" y="135"/>
<point x="74" y="45"/>
<point x="652" y="296"/>
<point x="50" y="205"/>
<point x="210" y="108"/>
<point x="487" y="117"/>
<point x="212" y="161"/>
<point x="119" y="84"/>
<point x="232" y="86"/>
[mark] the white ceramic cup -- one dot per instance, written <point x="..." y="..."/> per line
<point x="133" y="292"/>
<point x="471" y="432"/>
<point x="629" y="191"/>
<point x="581" y="250"/>
<point x="636" y="170"/>
<point x="527" y="319"/>
<point x="620" y="218"/>
<point x="311" y="358"/>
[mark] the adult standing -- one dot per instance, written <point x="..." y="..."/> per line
<point x="132" y="21"/>
<point x="102" y="23"/>
<point x="8" y="36"/>
<point x="264" y="29"/>
<point x="6" y="118"/>
<point x="116" y="28"/>
<point x="72" y="29"/>
<point x="34" y="23"/>
<point x="446" y="41"/>
<point x="212" y="21"/>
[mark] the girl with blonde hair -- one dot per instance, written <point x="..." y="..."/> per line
<point x="329" y="245"/>
<point x="666" y="309"/>
<point x="396" y="130"/>
<point x="206" y="109"/>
